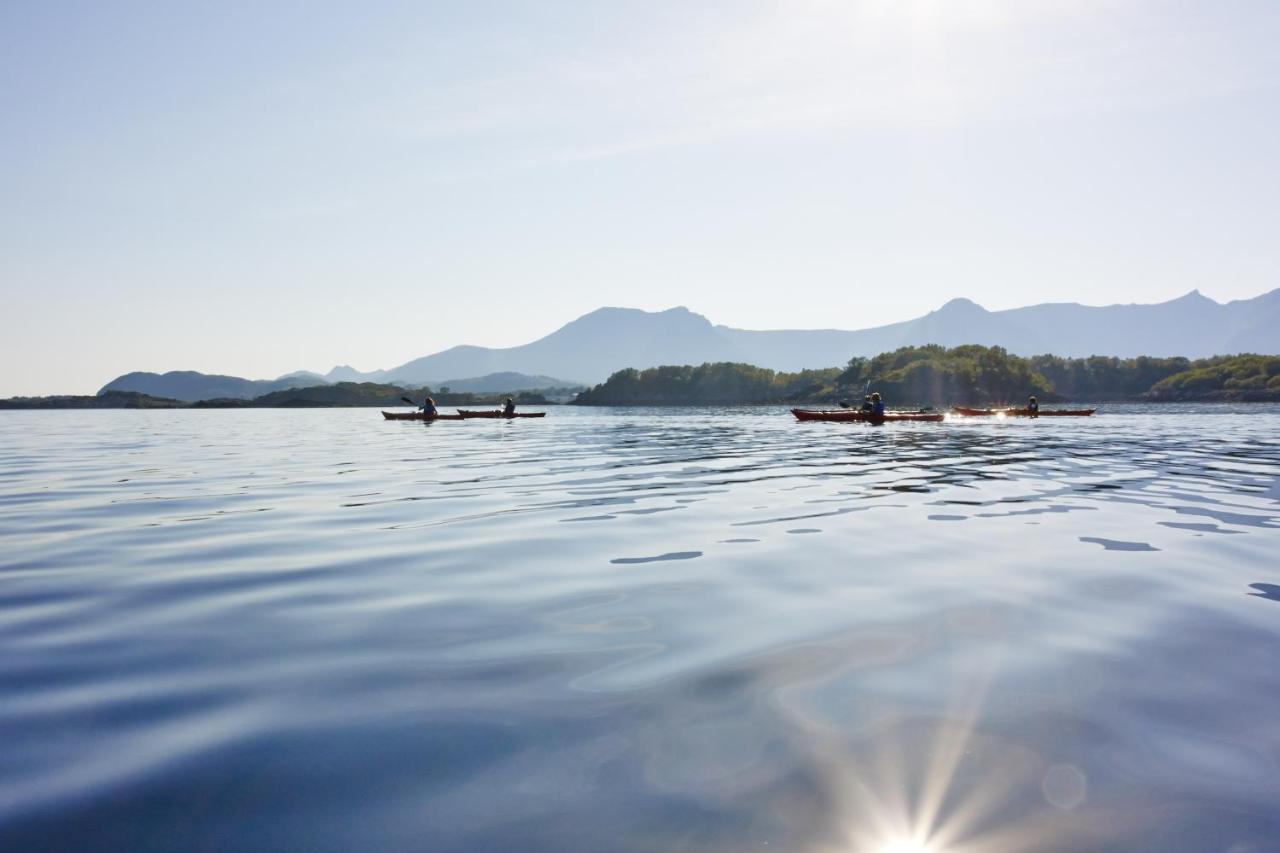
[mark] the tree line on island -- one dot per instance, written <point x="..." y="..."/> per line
<point x="940" y="376"/>
<point x="907" y="377"/>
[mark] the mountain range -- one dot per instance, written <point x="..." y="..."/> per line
<point x="609" y="339"/>
<point x="597" y="344"/>
<point x="191" y="386"/>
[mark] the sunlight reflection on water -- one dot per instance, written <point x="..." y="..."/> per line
<point x="639" y="630"/>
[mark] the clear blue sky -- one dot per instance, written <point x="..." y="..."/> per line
<point x="254" y="188"/>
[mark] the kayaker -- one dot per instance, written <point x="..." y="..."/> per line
<point x="509" y="408"/>
<point x="429" y="408"/>
<point x="877" y="405"/>
<point x="1033" y="405"/>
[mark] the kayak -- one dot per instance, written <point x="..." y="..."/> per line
<point x="856" y="415"/>
<point x="497" y="413"/>
<point x="419" y="416"/>
<point x="1024" y="413"/>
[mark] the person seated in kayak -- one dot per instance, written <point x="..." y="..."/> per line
<point x="1033" y="405"/>
<point x="429" y="408"/>
<point x="867" y="405"/>
<point x="877" y="405"/>
<point x="509" y="408"/>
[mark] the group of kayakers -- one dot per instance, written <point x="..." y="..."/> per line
<point x="872" y="404"/>
<point x="429" y="407"/>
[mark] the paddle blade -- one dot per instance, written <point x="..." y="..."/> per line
<point x="407" y="400"/>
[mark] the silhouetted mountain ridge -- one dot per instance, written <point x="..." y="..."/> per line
<point x="190" y="385"/>
<point x="590" y="348"/>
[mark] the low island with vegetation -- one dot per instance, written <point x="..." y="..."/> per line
<point x="341" y="394"/>
<point x="940" y="376"/>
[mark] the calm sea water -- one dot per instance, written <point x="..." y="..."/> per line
<point x="636" y="630"/>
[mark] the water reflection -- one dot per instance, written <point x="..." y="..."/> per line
<point x="315" y="630"/>
<point x="1266" y="590"/>
<point x="1118" y="545"/>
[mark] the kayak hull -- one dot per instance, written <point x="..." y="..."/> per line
<point x="419" y="416"/>
<point x="856" y="416"/>
<point x="1024" y="413"/>
<point x="497" y="413"/>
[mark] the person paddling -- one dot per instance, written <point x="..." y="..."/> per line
<point x="1033" y="406"/>
<point x="509" y="409"/>
<point x="429" y="408"/>
<point x="877" y="405"/>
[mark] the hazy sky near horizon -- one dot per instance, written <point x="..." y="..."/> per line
<point x="256" y="188"/>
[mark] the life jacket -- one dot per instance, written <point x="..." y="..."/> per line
<point x="877" y="408"/>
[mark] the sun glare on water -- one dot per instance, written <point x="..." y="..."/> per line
<point x="934" y="786"/>
<point x="907" y="846"/>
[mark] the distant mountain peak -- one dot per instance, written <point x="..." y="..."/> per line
<point x="301" y="374"/>
<point x="680" y="316"/>
<point x="619" y="311"/>
<point x="961" y="305"/>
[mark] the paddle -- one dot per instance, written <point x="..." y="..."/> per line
<point x="845" y="404"/>
<point x="411" y="403"/>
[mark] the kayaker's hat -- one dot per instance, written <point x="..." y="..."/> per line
<point x="875" y="396"/>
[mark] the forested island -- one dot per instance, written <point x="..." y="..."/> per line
<point x="940" y="376"/>
<point x="341" y="394"/>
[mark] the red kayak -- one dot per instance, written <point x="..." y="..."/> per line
<point x="419" y="416"/>
<point x="1024" y="413"/>
<point x="497" y="413"/>
<point x="857" y="415"/>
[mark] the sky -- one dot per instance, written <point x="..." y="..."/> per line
<point x="257" y="188"/>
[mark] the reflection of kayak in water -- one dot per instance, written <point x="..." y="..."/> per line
<point x="497" y="413"/>
<point x="1025" y="413"/>
<point x="853" y="415"/>
<point x="419" y="416"/>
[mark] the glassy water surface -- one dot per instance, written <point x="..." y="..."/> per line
<point x="634" y="630"/>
